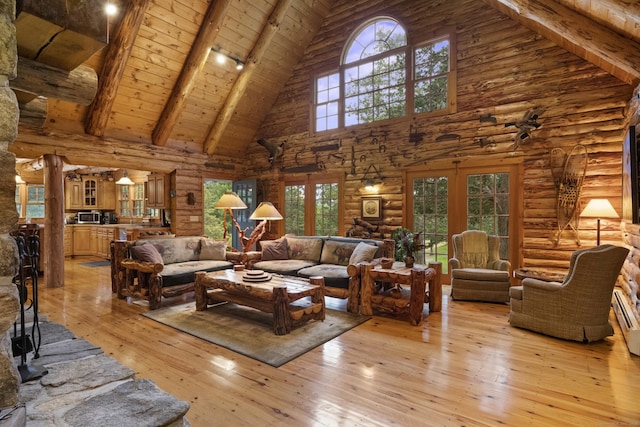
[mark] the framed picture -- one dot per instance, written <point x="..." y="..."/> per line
<point x="371" y="208"/>
<point x="630" y="177"/>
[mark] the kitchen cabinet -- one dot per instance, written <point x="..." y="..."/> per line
<point x="107" y="195"/>
<point x="82" y="240"/>
<point x="90" y="193"/>
<point x="68" y="241"/>
<point x="73" y="195"/>
<point x="103" y="242"/>
<point x="157" y="191"/>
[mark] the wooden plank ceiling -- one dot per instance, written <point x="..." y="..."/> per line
<point x="159" y="82"/>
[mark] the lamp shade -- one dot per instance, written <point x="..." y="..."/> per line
<point x="266" y="210"/>
<point x="599" y="208"/>
<point x="230" y="200"/>
<point x="125" y="180"/>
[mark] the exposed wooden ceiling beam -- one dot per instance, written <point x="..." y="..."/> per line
<point x="192" y="67"/>
<point x="118" y="52"/>
<point x="578" y="34"/>
<point x="240" y="85"/>
<point x="90" y="150"/>
<point x="78" y="85"/>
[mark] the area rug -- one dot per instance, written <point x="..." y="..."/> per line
<point x="96" y="263"/>
<point x="250" y="332"/>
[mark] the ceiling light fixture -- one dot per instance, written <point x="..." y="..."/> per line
<point x="125" y="180"/>
<point x="222" y="58"/>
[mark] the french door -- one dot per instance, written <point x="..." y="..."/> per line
<point x="443" y="202"/>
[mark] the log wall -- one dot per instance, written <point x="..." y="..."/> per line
<point x="502" y="69"/>
<point x="631" y="269"/>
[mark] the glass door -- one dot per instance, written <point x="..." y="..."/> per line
<point x="442" y="203"/>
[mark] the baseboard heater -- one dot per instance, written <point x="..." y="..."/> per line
<point x="627" y="320"/>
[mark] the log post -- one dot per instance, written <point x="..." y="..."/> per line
<point x="353" y="301"/>
<point x="53" y="244"/>
<point x="281" y="318"/>
<point x="416" y="302"/>
<point x="318" y="297"/>
<point x="366" y="289"/>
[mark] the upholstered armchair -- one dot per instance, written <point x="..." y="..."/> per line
<point x="578" y="308"/>
<point x="477" y="272"/>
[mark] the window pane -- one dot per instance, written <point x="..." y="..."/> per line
<point x="326" y="220"/>
<point x="294" y="209"/>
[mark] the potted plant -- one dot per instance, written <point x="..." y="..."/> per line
<point x="407" y="244"/>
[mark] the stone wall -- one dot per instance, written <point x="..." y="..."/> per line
<point x="9" y="114"/>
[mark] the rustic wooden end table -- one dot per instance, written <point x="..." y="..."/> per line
<point x="398" y="303"/>
<point x="291" y="301"/>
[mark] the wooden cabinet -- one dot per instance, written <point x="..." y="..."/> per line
<point x="104" y="237"/>
<point x="73" y="195"/>
<point x="107" y="195"/>
<point x="156" y="191"/>
<point x="90" y="193"/>
<point x="82" y="240"/>
<point x="68" y="241"/>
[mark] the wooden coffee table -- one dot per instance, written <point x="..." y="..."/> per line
<point x="292" y="301"/>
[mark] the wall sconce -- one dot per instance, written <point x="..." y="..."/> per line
<point x="222" y="58"/>
<point x="371" y="177"/>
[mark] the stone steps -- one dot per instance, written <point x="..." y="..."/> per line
<point x="84" y="387"/>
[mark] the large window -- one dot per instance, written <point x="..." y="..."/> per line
<point x="382" y="77"/>
<point x="318" y="201"/>
<point x="35" y="201"/>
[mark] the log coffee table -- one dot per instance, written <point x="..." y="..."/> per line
<point x="292" y="301"/>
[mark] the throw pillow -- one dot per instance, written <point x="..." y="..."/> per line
<point x="213" y="249"/>
<point x="146" y="252"/>
<point x="363" y="253"/>
<point x="274" y="249"/>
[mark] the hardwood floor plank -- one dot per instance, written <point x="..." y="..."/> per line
<point x="462" y="366"/>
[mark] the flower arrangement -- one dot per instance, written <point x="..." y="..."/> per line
<point x="407" y="243"/>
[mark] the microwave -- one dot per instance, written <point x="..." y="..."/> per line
<point x="91" y="217"/>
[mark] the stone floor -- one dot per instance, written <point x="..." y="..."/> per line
<point x="84" y="387"/>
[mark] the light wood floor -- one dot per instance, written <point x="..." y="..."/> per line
<point x="463" y="366"/>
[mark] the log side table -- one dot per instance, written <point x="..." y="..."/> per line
<point x="399" y="303"/>
<point x="291" y="301"/>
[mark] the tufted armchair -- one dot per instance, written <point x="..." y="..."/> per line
<point x="477" y="272"/>
<point x="578" y="308"/>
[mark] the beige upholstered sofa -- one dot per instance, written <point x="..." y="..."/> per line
<point x="477" y="272"/>
<point x="326" y="256"/>
<point x="163" y="267"/>
<point x="578" y="308"/>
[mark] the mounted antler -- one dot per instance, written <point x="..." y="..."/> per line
<point x="275" y="150"/>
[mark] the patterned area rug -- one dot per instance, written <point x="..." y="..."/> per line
<point x="250" y="332"/>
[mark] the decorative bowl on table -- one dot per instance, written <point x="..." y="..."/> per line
<point x="386" y="263"/>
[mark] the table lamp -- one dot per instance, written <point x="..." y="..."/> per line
<point x="265" y="212"/>
<point x="229" y="202"/>
<point x="599" y="208"/>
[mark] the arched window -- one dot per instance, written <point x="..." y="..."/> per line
<point x="382" y="77"/>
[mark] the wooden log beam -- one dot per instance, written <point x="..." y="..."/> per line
<point x="240" y="86"/>
<point x="580" y="35"/>
<point x="33" y="109"/>
<point x="94" y="151"/>
<point x="192" y="67"/>
<point x="113" y="66"/>
<point x="78" y="86"/>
